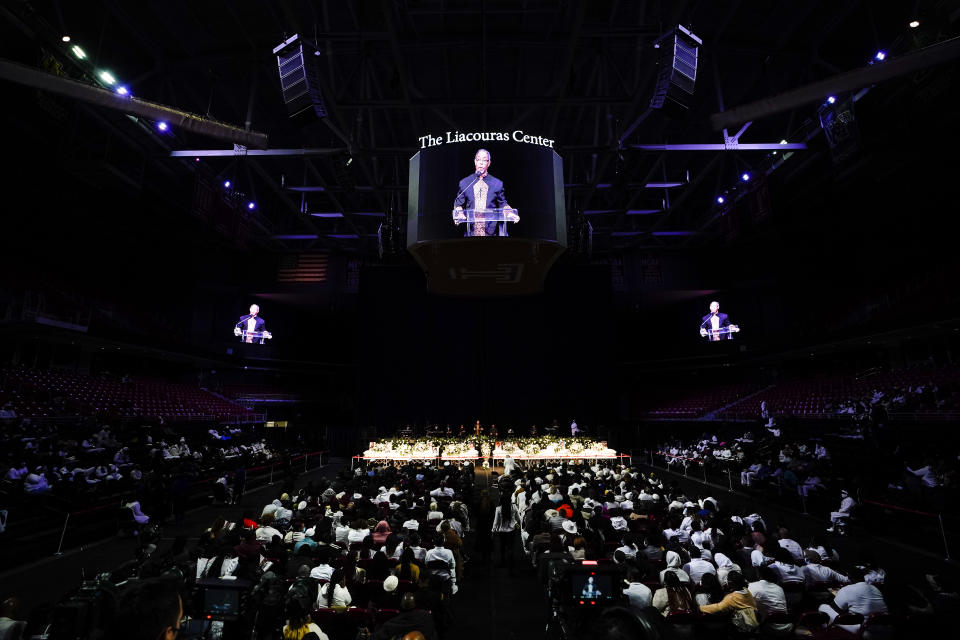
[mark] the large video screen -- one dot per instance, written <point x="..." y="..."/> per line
<point x="531" y="175"/>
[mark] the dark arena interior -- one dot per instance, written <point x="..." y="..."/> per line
<point x="489" y="319"/>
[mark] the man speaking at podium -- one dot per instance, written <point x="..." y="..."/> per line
<point x="250" y="323"/>
<point x="713" y="322"/>
<point x="481" y="191"/>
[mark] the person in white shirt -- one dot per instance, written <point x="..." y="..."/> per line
<point x="340" y="533"/>
<point x="509" y="465"/>
<point x="784" y="567"/>
<point x="440" y="552"/>
<point x="840" y="515"/>
<point x="442" y="490"/>
<point x="335" y="592"/>
<point x="725" y="566"/>
<point x="358" y="531"/>
<point x="265" y="532"/>
<point x="790" y="545"/>
<point x="36" y="483"/>
<point x="747" y="475"/>
<point x="856" y="597"/>
<point x="697" y="567"/>
<point x="506" y="521"/>
<point x="414" y="545"/>
<point x="639" y="595"/>
<point x="434" y="513"/>
<point x="139" y="516"/>
<point x="926" y="475"/>
<point x="629" y="546"/>
<point x="673" y="566"/>
<point x="769" y="595"/>
<point x="814" y="572"/>
<point x="322" y="571"/>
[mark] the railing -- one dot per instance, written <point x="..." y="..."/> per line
<point x="938" y="516"/>
<point x="687" y="462"/>
<point x="117" y="501"/>
<point x="243" y="418"/>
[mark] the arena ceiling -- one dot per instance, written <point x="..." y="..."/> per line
<point x="581" y="73"/>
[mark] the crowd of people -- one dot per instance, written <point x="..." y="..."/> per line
<point x="703" y="564"/>
<point x="389" y="542"/>
<point x="384" y="550"/>
<point x="800" y="463"/>
<point x="150" y="466"/>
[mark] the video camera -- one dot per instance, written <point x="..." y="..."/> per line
<point x="579" y="592"/>
<point x="589" y="584"/>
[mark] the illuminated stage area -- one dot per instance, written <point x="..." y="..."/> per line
<point x="540" y="448"/>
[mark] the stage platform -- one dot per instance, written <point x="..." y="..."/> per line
<point x="485" y="449"/>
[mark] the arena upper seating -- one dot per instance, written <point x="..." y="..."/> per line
<point x="37" y="393"/>
<point x="927" y="390"/>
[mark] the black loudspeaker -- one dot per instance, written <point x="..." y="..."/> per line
<point x="677" y="76"/>
<point x="299" y="79"/>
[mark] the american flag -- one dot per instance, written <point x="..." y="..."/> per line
<point x="306" y="267"/>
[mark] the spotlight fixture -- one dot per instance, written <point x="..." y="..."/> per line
<point x="914" y="24"/>
<point x="251" y="205"/>
<point x="122" y="90"/>
<point x="226" y="184"/>
<point x="745" y="177"/>
<point x="784" y="141"/>
<point x="162" y="126"/>
<point x="720" y="200"/>
<point x="107" y="77"/>
<point x="65" y="39"/>
<point x="832" y="99"/>
<point x="80" y="53"/>
<point x="881" y="56"/>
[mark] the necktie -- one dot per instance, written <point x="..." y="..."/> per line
<point x="479" y="205"/>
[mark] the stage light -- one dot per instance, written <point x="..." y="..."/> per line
<point x="107" y="77"/>
<point x="162" y="126"/>
<point x="720" y="200"/>
<point x="784" y="141"/>
<point x="881" y="56"/>
<point x="832" y="99"/>
<point x="251" y="205"/>
<point x="745" y="177"/>
<point x="65" y="38"/>
<point x="914" y="24"/>
<point x="226" y="184"/>
<point x="77" y="51"/>
<point x="122" y="90"/>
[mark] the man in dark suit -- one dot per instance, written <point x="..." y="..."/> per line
<point x="250" y="323"/>
<point x="480" y="191"/>
<point x="713" y="322"/>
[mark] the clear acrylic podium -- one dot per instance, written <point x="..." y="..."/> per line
<point x="724" y="333"/>
<point x="483" y="216"/>
<point x="253" y="337"/>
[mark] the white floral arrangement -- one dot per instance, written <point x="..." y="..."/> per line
<point x="422" y="447"/>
